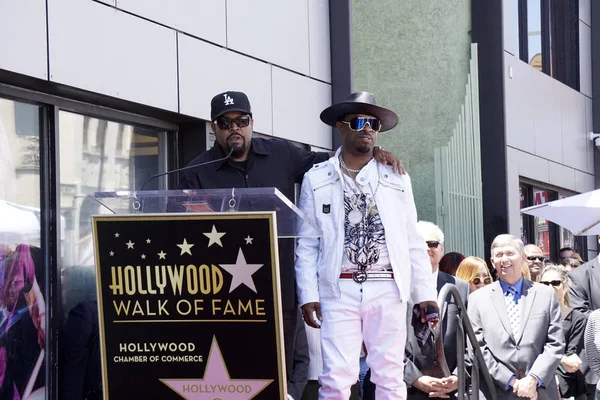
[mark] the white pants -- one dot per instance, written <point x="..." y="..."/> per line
<point x="371" y="312"/>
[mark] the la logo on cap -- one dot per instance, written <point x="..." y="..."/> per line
<point x="228" y="99"/>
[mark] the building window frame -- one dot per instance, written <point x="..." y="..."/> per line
<point x="559" y="39"/>
<point x="50" y="107"/>
<point x="527" y="188"/>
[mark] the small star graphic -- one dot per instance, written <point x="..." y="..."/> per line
<point x="241" y="272"/>
<point x="248" y="240"/>
<point x="143" y="256"/>
<point x="214" y="237"/>
<point x="217" y="376"/>
<point x="112" y="253"/>
<point x="148" y="241"/>
<point x="117" y="234"/>
<point x="130" y="244"/>
<point x="185" y="247"/>
<point x="162" y="255"/>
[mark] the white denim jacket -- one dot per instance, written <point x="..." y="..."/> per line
<point x="319" y="259"/>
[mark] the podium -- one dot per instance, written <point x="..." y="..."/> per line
<point x="188" y="292"/>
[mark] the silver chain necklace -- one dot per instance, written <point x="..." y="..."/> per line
<point x="355" y="216"/>
<point x="345" y="167"/>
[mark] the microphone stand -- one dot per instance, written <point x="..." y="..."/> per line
<point x="188" y="167"/>
<point x="137" y="205"/>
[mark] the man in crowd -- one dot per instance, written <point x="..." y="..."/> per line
<point x="535" y="261"/>
<point x="565" y="252"/>
<point x="423" y="373"/>
<point x="585" y="297"/>
<point x="354" y="281"/>
<point x="255" y="162"/>
<point x="518" y="327"/>
<point x="420" y="371"/>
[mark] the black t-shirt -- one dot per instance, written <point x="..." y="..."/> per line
<point x="271" y="163"/>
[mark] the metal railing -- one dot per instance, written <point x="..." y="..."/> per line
<point x="463" y="325"/>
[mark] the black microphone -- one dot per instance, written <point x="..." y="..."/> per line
<point x="233" y="147"/>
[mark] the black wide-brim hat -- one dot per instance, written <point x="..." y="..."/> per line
<point x="360" y="103"/>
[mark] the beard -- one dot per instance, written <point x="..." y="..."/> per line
<point x="363" y="149"/>
<point x="238" y="148"/>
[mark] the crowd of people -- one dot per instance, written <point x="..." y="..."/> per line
<point x="367" y="289"/>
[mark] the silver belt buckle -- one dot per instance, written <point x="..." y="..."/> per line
<point x="359" y="276"/>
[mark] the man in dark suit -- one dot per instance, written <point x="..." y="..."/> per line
<point x="585" y="297"/>
<point x="518" y="327"/>
<point x="422" y="372"/>
<point x="422" y="369"/>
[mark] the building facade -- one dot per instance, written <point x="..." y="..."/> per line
<point x="495" y="100"/>
<point x="99" y="95"/>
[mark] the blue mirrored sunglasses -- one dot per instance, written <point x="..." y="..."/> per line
<point x="359" y="123"/>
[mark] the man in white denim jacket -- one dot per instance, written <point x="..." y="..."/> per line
<point x="357" y="277"/>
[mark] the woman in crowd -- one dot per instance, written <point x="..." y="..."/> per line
<point x="571" y="380"/>
<point x="592" y="345"/>
<point x="450" y="262"/>
<point x="570" y="263"/>
<point x="475" y="271"/>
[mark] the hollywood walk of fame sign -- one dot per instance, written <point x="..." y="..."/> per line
<point x="190" y="306"/>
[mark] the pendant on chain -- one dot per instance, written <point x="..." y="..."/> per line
<point x="354" y="216"/>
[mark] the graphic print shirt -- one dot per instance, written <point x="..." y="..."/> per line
<point x="364" y="234"/>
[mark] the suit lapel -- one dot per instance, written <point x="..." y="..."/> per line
<point x="592" y="282"/>
<point x="500" y="306"/>
<point x="441" y="280"/>
<point x="527" y="298"/>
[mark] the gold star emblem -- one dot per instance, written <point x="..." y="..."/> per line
<point x="214" y="236"/>
<point x="162" y="255"/>
<point x="185" y="247"/>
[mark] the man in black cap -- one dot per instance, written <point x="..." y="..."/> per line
<point x="256" y="162"/>
<point x="354" y="281"/>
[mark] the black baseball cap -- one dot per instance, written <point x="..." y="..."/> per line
<point x="227" y="102"/>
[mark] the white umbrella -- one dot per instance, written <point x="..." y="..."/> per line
<point x="18" y="223"/>
<point x="580" y="214"/>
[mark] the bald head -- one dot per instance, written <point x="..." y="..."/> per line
<point x="535" y="261"/>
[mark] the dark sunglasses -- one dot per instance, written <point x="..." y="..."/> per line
<point x="359" y="123"/>
<point x="477" y="281"/>
<point x="533" y="258"/>
<point x="432" y="244"/>
<point x="553" y="283"/>
<point x="225" y="123"/>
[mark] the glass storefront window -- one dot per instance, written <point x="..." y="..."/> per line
<point x="22" y="273"/>
<point x="96" y="156"/>
<point x="541" y="226"/>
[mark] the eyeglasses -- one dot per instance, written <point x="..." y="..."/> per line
<point x="553" y="283"/>
<point x="476" y="281"/>
<point x="533" y="258"/>
<point x="432" y="244"/>
<point x="359" y="123"/>
<point x="225" y="123"/>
